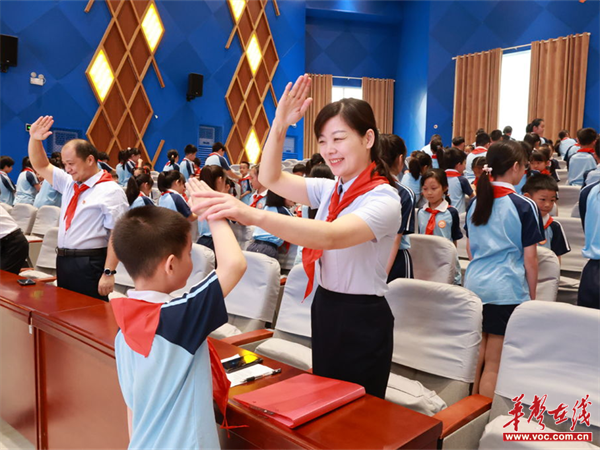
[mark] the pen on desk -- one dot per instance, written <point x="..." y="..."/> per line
<point x="264" y="375"/>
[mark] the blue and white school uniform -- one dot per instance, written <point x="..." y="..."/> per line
<point x="187" y="168"/>
<point x="519" y="187"/>
<point x="434" y="162"/>
<point x="555" y="237"/>
<point x="402" y="266"/>
<point x="564" y="145"/>
<point x="170" y="391"/>
<point x="245" y="186"/>
<point x="103" y="166"/>
<point x="591" y="176"/>
<point x="121" y="174"/>
<point x="589" y="210"/>
<point x="214" y="159"/>
<point x="476" y="153"/>
<point x="458" y="188"/>
<point x="263" y="241"/>
<point x="7" y="189"/>
<point x="447" y="225"/>
<point x="414" y="185"/>
<point x="26" y="190"/>
<point x="47" y="196"/>
<point x="570" y="152"/>
<point x="168" y="167"/>
<point x="580" y="163"/>
<point x="142" y="200"/>
<point x="497" y="271"/>
<point x="175" y="202"/>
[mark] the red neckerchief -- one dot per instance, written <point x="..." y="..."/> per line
<point x="363" y="184"/>
<point x="451" y="173"/>
<point x="545" y="172"/>
<point x="502" y="191"/>
<point x="27" y="169"/>
<point x="475" y="181"/>
<point x="479" y="150"/>
<point x="168" y="163"/>
<point x="247" y="177"/>
<point x="585" y="150"/>
<point x="433" y="156"/>
<point x="547" y="224"/>
<point x="431" y="223"/>
<point x="78" y="189"/>
<point x="257" y="198"/>
<point x="213" y="154"/>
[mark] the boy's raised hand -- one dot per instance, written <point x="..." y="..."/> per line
<point x="40" y="129"/>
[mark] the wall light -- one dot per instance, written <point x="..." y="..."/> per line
<point x="152" y="27"/>
<point x="252" y="147"/>
<point x="253" y="53"/>
<point x="101" y="75"/>
<point x="237" y="6"/>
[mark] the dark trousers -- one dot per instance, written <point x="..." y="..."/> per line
<point x="81" y="274"/>
<point x="402" y="267"/>
<point x="207" y="241"/>
<point x="14" y="250"/>
<point x="589" y="285"/>
<point x="264" y="247"/>
<point x="352" y="339"/>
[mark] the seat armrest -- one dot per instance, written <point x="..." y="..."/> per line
<point x="463" y="411"/>
<point x="248" y="337"/>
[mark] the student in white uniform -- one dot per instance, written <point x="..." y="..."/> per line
<point x="14" y="247"/>
<point x="7" y="187"/>
<point x="187" y="165"/>
<point x="28" y="184"/>
<point x="503" y="229"/>
<point x="357" y="220"/>
<point x="139" y="190"/>
<point x="583" y="159"/>
<point x="217" y="158"/>
<point x="92" y="203"/>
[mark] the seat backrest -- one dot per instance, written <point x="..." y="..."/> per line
<point x="123" y="280"/>
<point x="462" y="243"/>
<point x="575" y="211"/>
<point x="203" y="262"/>
<point x="434" y="258"/>
<point x="567" y="197"/>
<point x="437" y="332"/>
<point x="574" y="260"/>
<point x="47" y="258"/>
<point x="47" y="217"/>
<point x="548" y="274"/>
<point x="255" y="296"/>
<point x="24" y="215"/>
<point x="550" y="349"/>
<point x="7" y="207"/>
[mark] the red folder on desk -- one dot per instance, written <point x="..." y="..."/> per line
<point x="297" y="400"/>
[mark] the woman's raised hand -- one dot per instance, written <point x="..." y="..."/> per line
<point x="294" y="102"/>
<point x="40" y="129"/>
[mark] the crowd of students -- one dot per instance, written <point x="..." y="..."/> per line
<point x="350" y="209"/>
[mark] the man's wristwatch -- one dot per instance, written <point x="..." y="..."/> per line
<point x="109" y="272"/>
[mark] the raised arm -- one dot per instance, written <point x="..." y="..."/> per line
<point x="39" y="131"/>
<point x="291" y="108"/>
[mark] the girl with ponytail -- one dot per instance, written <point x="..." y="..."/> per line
<point x="418" y="164"/>
<point x="503" y="229"/>
<point x="138" y="191"/>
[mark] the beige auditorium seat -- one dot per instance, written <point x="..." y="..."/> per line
<point x="24" y="215"/>
<point x="567" y="197"/>
<point x="574" y="260"/>
<point x="434" y="258"/>
<point x="287" y="256"/>
<point x="550" y="349"/>
<point x="203" y="263"/>
<point x="548" y="274"/>
<point x="46" y="217"/>
<point x="563" y="174"/>
<point x="45" y="267"/>
<point x="575" y="211"/>
<point x="7" y="207"/>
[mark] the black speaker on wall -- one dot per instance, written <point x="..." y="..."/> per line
<point x="8" y="51"/>
<point x="195" y="81"/>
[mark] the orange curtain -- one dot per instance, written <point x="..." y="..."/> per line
<point x="379" y="93"/>
<point x="320" y="91"/>
<point x="557" y="82"/>
<point x="477" y="93"/>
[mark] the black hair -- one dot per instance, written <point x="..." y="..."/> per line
<point x="299" y="168"/>
<point x="189" y="149"/>
<point x="538" y="156"/>
<point x="123" y="156"/>
<point x="6" y="161"/>
<point x="496" y="135"/>
<point x="132" y="191"/>
<point x="539" y="182"/>
<point x="454" y="156"/>
<point x="217" y="146"/>
<point x="597" y="149"/>
<point x="143" y="237"/>
<point x="391" y="148"/>
<point x="507" y="129"/>
<point x="172" y="155"/>
<point x="314" y="160"/>
<point x="418" y="160"/>
<point x="57" y="162"/>
<point x="440" y="176"/>
<point x="534" y="124"/>
<point x="458" y="140"/>
<point x="532" y="139"/>
<point x="247" y="164"/>
<point x="197" y="161"/>
<point x="210" y="174"/>
<point x="501" y="157"/>
<point x="272" y="199"/>
<point x="56" y="155"/>
<point x="587" y="136"/>
<point x="26" y="163"/>
<point x="83" y="149"/>
<point x="358" y="115"/>
<point x="546" y="149"/>
<point x="166" y="179"/>
<point x="102" y="156"/>
<point x="480" y="161"/>
<point x="134" y="151"/>
<point x="321" y="171"/>
<point x="437" y="149"/>
<point x="482" y="139"/>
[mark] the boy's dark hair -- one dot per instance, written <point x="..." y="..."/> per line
<point x="83" y="149"/>
<point x="6" y="161"/>
<point x="102" y="156"/>
<point x="496" y="135"/>
<point x="217" y="146"/>
<point x="532" y="139"/>
<point x="189" y="149"/>
<point x="299" y="168"/>
<point x="166" y="179"/>
<point x="418" y="159"/>
<point x="197" y="161"/>
<point x="597" y="149"/>
<point x="507" y="129"/>
<point x="321" y="171"/>
<point x="587" y="136"/>
<point x="145" y="236"/>
<point x="434" y="137"/>
<point x="458" y="140"/>
<point x="480" y="161"/>
<point x="454" y="156"/>
<point x="479" y="131"/>
<point x="482" y="139"/>
<point x="539" y="182"/>
<point x="562" y="134"/>
<point x="246" y="163"/>
<point x="391" y="147"/>
<point x="275" y="200"/>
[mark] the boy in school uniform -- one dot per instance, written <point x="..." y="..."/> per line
<point x="458" y="185"/>
<point x="7" y="187"/>
<point x="163" y="358"/>
<point x="482" y="142"/>
<point x="259" y="198"/>
<point x="593" y="175"/>
<point x="566" y="142"/>
<point x="187" y="165"/>
<point x="583" y="160"/>
<point x="217" y="158"/>
<point x="245" y="184"/>
<point x="589" y="210"/>
<point x="543" y="190"/>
